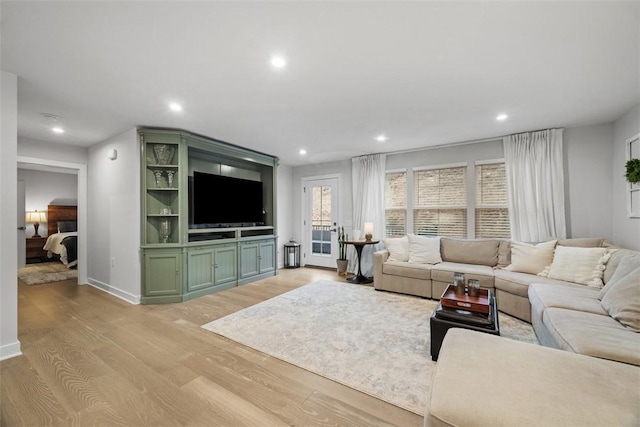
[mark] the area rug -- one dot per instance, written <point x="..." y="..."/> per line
<point x="46" y="272"/>
<point x="375" y="342"/>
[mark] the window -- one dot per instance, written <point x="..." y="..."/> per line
<point x="492" y="213"/>
<point x="440" y="202"/>
<point x="395" y="204"/>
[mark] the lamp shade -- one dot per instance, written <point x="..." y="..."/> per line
<point x="36" y="216"/>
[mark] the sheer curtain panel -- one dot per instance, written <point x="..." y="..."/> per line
<point x="368" y="178"/>
<point x="535" y="185"/>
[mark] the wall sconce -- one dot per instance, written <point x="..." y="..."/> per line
<point x="36" y="217"/>
<point x="368" y="231"/>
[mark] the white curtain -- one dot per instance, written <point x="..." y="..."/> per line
<point x="535" y="185"/>
<point x="367" y="182"/>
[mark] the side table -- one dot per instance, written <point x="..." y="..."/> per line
<point x="34" y="247"/>
<point x="359" y="244"/>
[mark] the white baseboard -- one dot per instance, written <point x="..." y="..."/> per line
<point x="8" y="351"/>
<point x="116" y="292"/>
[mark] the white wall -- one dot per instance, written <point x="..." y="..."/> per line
<point x="41" y="188"/>
<point x="588" y="151"/>
<point x="285" y="212"/>
<point x="114" y="217"/>
<point x="626" y="231"/>
<point x="9" y="344"/>
<point x="46" y="150"/>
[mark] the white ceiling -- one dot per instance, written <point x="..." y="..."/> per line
<point x="423" y="73"/>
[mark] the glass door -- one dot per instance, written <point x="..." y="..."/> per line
<point x="321" y="222"/>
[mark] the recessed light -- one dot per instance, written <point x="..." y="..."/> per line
<point x="174" y="106"/>
<point x="502" y="117"/>
<point x="303" y="152"/>
<point x="57" y="130"/>
<point x="381" y="138"/>
<point x="279" y="61"/>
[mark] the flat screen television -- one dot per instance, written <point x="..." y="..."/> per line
<point x="223" y="201"/>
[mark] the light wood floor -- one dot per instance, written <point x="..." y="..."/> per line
<point x="92" y="359"/>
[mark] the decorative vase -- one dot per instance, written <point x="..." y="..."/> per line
<point x="164" y="153"/>
<point x="165" y="230"/>
<point x="342" y="266"/>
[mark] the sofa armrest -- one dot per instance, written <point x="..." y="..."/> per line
<point x="379" y="258"/>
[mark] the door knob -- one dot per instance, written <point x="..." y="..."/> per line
<point x="20" y="228"/>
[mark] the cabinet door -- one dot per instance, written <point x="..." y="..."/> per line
<point x="201" y="266"/>
<point x="249" y="260"/>
<point x="267" y="256"/>
<point x="226" y="265"/>
<point x="162" y="273"/>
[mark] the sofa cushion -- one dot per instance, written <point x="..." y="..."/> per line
<point x="581" y="298"/>
<point x="629" y="262"/>
<point x="398" y="248"/>
<point x="622" y="300"/>
<point x="517" y="283"/>
<point x="406" y="269"/>
<point x="592" y="334"/>
<point x="582" y="242"/>
<point x="578" y="265"/>
<point x="504" y="253"/>
<point x="531" y="258"/>
<point x="484" y="380"/>
<point x="472" y="251"/>
<point x="443" y="272"/>
<point x="424" y="250"/>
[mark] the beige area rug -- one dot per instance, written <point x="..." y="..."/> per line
<point x="372" y="341"/>
<point x="46" y="272"/>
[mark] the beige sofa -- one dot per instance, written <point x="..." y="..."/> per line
<point x="481" y="259"/>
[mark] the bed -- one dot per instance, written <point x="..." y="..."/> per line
<point x="62" y="231"/>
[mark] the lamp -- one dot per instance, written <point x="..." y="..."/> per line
<point x="368" y="231"/>
<point x="35" y="217"/>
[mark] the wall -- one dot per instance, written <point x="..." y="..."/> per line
<point x="285" y="212"/>
<point x="588" y="152"/>
<point x="46" y="150"/>
<point x="41" y="188"/>
<point x="9" y="344"/>
<point x="114" y="217"/>
<point x="626" y="231"/>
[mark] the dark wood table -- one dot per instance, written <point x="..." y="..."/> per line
<point x="444" y="319"/>
<point x="359" y="244"/>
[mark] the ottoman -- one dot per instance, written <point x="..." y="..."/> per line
<point x="486" y="380"/>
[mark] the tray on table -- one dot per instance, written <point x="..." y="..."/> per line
<point x="479" y="304"/>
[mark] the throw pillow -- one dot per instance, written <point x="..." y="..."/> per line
<point x="622" y="301"/>
<point x="627" y="264"/>
<point x="424" y="250"/>
<point x="530" y="258"/>
<point x="398" y="248"/>
<point x="578" y="265"/>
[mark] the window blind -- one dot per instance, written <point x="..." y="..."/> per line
<point x="492" y="214"/>
<point x="440" y="202"/>
<point x="395" y="202"/>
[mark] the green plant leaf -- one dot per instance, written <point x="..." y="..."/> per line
<point x="633" y="171"/>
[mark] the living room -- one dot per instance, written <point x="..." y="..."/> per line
<point x="595" y="135"/>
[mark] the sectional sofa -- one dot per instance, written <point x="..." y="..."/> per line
<point x="582" y="297"/>
<point x="554" y="285"/>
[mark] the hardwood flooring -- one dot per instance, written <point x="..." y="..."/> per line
<point x="93" y="359"/>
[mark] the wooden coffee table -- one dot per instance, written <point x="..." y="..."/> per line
<point x="444" y="319"/>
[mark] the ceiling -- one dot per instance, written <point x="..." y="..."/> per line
<point x="421" y="73"/>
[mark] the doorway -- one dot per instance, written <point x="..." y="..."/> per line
<point x="320" y="220"/>
<point x="68" y="168"/>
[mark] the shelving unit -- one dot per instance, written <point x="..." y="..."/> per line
<point x="181" y="261"/>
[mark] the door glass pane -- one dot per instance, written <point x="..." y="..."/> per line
<point x="321" y="220"/>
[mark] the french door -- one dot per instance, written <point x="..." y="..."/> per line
<point x="320" y="221"/>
